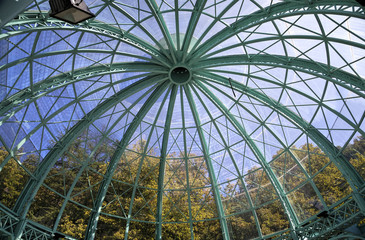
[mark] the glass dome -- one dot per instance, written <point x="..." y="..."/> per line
<point x="196" y="119"/>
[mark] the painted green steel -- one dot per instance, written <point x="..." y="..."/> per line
<point x="41" y="88"/>
<point x="279" y="11"/>
<point x="198" y="8"/>
<point x="340" y="115"/>
<point x="318" y="137"/>
<point x="32" y="99"/>
<point x="23" y="204"/>
<point x="287" y="148"/>
<point x="79" y="51"/>
<point x="163" y="156"/>
<point x="293" y="221"/>
<point x="206" y="65"/>
<point x="162" y="24"/>
<point x="342" y="215"/>
<point x="186" y="163"/>
<point x="24" y="97"/>
<point x="90" y="231"/>
<point x="348" y="171"/>
<point x="208" y="161"/>
<point x="340" y="77"/>
<point x="346" y="209"/>
<point x="286" y="37"/>
<point x="240" y="177"/>
<point x="31" y="22"/>
<point x="137" y="178"/>
<point x="85" y="163"/>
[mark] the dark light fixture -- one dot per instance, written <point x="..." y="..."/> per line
<point x="71" y="11"/>
<point x="362" y="2"/>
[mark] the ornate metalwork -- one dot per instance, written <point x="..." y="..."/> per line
<point x="294" y="84"/>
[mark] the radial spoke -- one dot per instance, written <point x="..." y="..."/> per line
<point x="182" y="119"/>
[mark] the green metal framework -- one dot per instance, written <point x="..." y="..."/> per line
<point x="295" y="70"/>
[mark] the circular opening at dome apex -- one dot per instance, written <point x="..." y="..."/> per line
<point x="180" y="75"/>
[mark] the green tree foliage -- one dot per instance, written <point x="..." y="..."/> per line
<point x="356" y="153"/>
<point x="11" y="180"/>
<point x="85" y="162"/>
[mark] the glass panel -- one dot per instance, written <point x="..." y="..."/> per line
<point x="271" y="104"/>
<point x="174" y="231"/>
<point x="242" y="226"/>
<point x="272" y="218"/>
<point x="141" y="230"/>
<point x="110" y="228"/>
<point x="331" y="184"/>
<point x="207" y="230"/>
<point x="74" y="221"/>
<point x="12" y="179"/>
<point x="305" y="202"/>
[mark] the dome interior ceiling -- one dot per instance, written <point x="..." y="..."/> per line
<point x="156" y="116"/>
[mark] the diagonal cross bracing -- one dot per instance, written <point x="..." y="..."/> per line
<point x="163" y="159"/>
<point x="348" y="171"/>
<point x="340" y="77"/>
<point x="293" y="221"/>
<point x="19" y="100"/>
<point x="277" y="11"/>
<point x="213" y="179"/>
<point x="91" y="228"/>
<point x="25" y="199"/>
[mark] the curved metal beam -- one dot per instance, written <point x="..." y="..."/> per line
<point x="197" y="11"/>
<point x="293" y="221"/>
<point x="85" y="163"/>
<point x="277" y="11"/>
<point x="49" y="117"/>
<point x="186" y="157"/>
<point x="138" y="24"/>
<point x="163" y="27"/>
<point x="25" y="199"/>
<point x="163" y="157"/>
<point x="31" y="22"/>
<point x="263" y="123"/>
<point x="75" y="51"/>
<point x="93" y="220"/>
<point x="208" y="161"/>
<point x="288" y="37"/>
<point x="347" y="170"/>
<point x="30" y="94"/>
<point x="211" y="25"/>
<point x="340" y="77"/>
<point x="227" y="147"/>
<point x="140" y="165"/>
<point x="314" y="100"/>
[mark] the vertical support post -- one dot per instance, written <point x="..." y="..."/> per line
<point x="140" y="165"/>
<point x="293" y="221"/>
<point x="240" y="177"/>
<point x="94" y="217"/>
<point x="217" y="197"/>
<point x="263" y="123"/>
<point x="86" y="162"/>
<point x="163" y="156"/>
<point x="27" y="195"/>
<point x="186" y="157"/>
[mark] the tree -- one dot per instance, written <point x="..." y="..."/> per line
<point x="12" y="178"/>
<point x="87" y="161"/>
